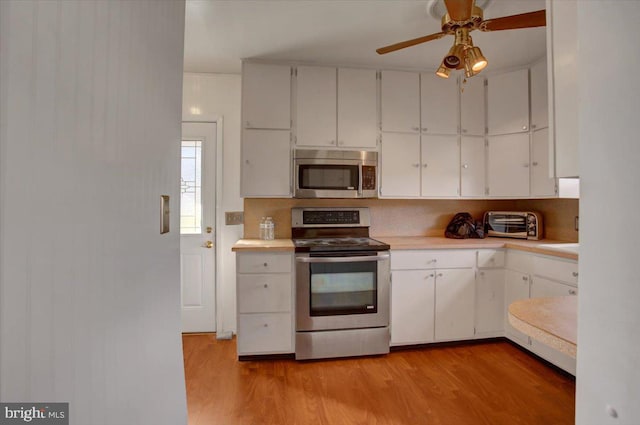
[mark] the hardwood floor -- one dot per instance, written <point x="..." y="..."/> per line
<point x="490" y="383"/>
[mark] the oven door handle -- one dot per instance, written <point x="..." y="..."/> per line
<point x="342" y="259"/>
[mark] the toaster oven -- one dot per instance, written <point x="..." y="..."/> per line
<point x="513" y="224"/>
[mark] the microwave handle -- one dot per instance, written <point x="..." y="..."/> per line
<point x="380" y="257"/>
<point x="360" y="181"/>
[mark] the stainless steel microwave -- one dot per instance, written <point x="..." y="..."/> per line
<point x="513" y="224"/>
<point x="335" y="174"/>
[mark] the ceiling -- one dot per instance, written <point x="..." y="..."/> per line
<point x="220" y="33"/>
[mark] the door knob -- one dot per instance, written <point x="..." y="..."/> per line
<point x="209" y="229"/>
<point x="208" y="244"/>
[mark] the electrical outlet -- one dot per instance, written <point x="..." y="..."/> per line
<point x="233" y="217"/>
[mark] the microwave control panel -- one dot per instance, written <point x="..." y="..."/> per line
<point x="368" y="177"/>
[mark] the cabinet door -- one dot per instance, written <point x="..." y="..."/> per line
<point x="316" y="106"/>
<point x="490" y="300"/>
<point x="357" y="108"/>
<point x="439" y="100"/>
<point x="400" y="101"/>
<point x="400" y="165"/>
<point x="516" y="288"/>
<point x="266" y="163"/>
<point x="508" y="102"/>
<point x="541" y="183"/>
<point x="472" y="163"/>
<point x="412" y="306"/>
<point x="542" y="287"/>
<point x="455" y="300"/>
<point x="440" y="166"/>
<point x="539" y="96"/>
<point x="472" y="107"/>
<point x="563" y="84"/>
<point x="266" y="96"/>
<point x="265" y="333"/>
<point x="508" y="165"/>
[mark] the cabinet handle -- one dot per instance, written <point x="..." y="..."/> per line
<point x="415" y="128"/>
<point x="572" y="291"/>
<point x="534" y="163"/>
<point x="246" y="161"/>
<point x="526" y="165"/>
<point x="481" y="273"/>
<point x="524" y="127"/>
<point x="465" y="166"/>
<point x="341" y="142"/>
<point x="464" y="130"/>
<point x="332" y="142"/>
<point x="247" y="124"/>
<point x="266" y="285"/>
<point x="266" y="325"/>
<point x="574" y="274"/>
<point x="439" y="275"/>
<point x="424" y="128"/>
<point x="424" y="165"/>
<point x="534" y="126"/>
<point x="432" y="261"/>
<point x="525" y="278"/>
<point x="265" y="264"/>
<point x="430" y="275"/>
<point x="416" y="165"/>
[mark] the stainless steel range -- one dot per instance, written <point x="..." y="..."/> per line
<point x="342" y="284"/>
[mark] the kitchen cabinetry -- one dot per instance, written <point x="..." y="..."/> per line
<point x="508" y="165"/>
<point x="508" y="102"/>
<point x="336" y="107"/>
<point x="446" y="287"/>
<point x="472" y="166"/>
<point x="266" y="96"/>
<point x="516" y="288"/>
<point x="266" y="163"/>
<point x="439" y="101"/>
<point x="400" y="165"/>
<point x="539" y="96"/>
<point x="541" y="184"/>
<point x="440" y="166"/>
<point x="264" y="303"/>
<point x="400" y="101"/>
<point x="490" y="285"/>
<point x="562" y="48"/>
<point x="472" y="107"/>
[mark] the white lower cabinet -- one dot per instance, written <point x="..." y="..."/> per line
<point x="490" y="302"/>
<point x="455" y="299"/>
<point x="264" y="303"/>
<point x="432" y="296"/>
<point x="412" y="307"/>
<point x="516" y="288"/>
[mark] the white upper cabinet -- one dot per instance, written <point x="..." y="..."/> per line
<point x="539" y="96"/>
<point x="266" y="163"/>
<point x="266" y="96"/>
<point x="562" y="49"/>
<point x="508" y="102"/>
<point x="439" y="99"/>
<point x="472" y="167"/>
<point x="316" y="106"/>
<point x="400" y="165"/>
<point x="508" y="165"/>
<point x="400" y="101"/>
<point x="357" y="108"/>
<point x="336" y="107"/>
<point x="440" y="166"/>
<point x="472" y="107"/>
<point x="541" y="184"/>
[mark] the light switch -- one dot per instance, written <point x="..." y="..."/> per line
<point x="233" y="217"/>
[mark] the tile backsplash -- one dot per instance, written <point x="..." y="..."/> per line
<point x="419" y="217"/>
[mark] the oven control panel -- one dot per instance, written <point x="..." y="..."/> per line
<point x="331" y="217"/>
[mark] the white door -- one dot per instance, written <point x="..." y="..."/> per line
<point x="472" y="108"/>
<point x="197" y="232"/>
<point x="508" y="102"/>
<point x="400" y="101"/>
<point x="541" y="183"/>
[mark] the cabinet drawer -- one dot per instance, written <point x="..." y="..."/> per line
<point x="562" y="270"/>
<point x="520" y="261"/>
<point x="542" y="287"/>
<point x="264" y="263"/>
<point x="431" y="259"/>
<point x="488" y="258"/>
<point x="264" y="293"/>
<point x="265" y="333"/>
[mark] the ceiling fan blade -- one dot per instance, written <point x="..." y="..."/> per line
<point x="459" y="10"/>
<point x="409" y="43"/>
<point x="524" y="20"/>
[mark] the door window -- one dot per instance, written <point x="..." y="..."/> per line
<point x="190" y="187"/>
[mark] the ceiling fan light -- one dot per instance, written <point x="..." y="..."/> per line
<point x="477" y="59"/>
<point x="443" y="71"/>
<point x="455" y="57"/>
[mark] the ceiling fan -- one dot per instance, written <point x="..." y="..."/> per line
<point x="462" y="17"/>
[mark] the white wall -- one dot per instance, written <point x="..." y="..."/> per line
<point x="90" y="96"/>
<point x="207" y="97"/>
<point x="609" y="303"/>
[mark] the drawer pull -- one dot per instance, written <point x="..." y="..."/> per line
<point x="266" y="286"/>
<point x="265" y="264"/>
<point x="266" y="325"/>
<point x="439" y="275"/>
<point x="574" y="274"/>
<point x="525" y="278"/>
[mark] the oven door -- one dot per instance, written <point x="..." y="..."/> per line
<point x="341" y="290"/>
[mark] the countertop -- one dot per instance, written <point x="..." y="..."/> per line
<point x="552" y="321"/>
<point x="424" y="242"/>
